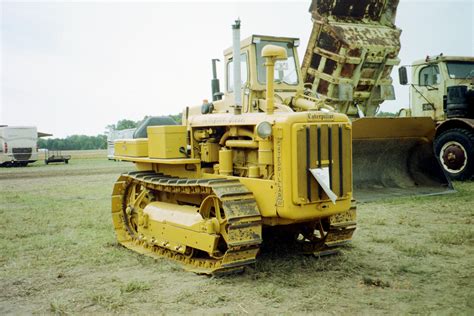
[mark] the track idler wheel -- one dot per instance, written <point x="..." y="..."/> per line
<point x="135" y="199"/>
<point x="211" y="208"/>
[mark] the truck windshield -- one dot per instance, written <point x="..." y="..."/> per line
<point x="460" y="69"/>
<point x="285" y="70"/>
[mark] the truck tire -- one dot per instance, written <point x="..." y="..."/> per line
<point x="455" y="151"/>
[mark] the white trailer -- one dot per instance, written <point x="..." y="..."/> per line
<point x="18" y="145"/>
<point x="113" y="136"/>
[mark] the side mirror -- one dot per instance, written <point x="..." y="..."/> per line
<point x="402" y="75"/>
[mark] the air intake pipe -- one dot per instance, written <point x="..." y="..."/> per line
<point x="272" y="53"/>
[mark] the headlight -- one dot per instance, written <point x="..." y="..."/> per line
<point x="264" y="129"/>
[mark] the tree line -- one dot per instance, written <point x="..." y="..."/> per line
<point x="84" y="142"/>
<point x="74" y="142"/>
<point x="386" y="114"/>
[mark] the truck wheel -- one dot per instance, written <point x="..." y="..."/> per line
<point x="455" y="151"/>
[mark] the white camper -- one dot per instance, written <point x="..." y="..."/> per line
<point x="18" y="145"/>
<point x="113" y="136"/>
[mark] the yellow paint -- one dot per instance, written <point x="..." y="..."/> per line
<point x="176" y="226"/>
<point x="166" y="141"/>
<point x="272" y="53"/>
<point x="270" y="172"/>
<point x="131" y="147"/>
<point x="225" y="162"/>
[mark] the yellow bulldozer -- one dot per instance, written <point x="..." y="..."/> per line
<point x="204" y="190"/>
<point x="267" y="156"/>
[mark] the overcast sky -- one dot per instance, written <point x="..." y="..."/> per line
<point x="75" y="67"/>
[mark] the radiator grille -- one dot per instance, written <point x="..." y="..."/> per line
<point x="319" y="146"/>
<point x="22" y="154"/>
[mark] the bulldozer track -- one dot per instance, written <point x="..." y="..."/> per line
<point x="243" y="220"/>
<point x="338" y="233"/>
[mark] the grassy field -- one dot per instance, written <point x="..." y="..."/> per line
<point x="58" y="255"/>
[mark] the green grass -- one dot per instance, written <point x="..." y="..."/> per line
<point x="58" y="255"/>
<point x="134" y="286"/>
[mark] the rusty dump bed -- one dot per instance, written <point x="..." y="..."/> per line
<point x="353" y="47"/>
<point x="394" y="157"/>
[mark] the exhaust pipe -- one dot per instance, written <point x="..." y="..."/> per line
<point x="215" y="86"/>
<point x="236" y="57"/>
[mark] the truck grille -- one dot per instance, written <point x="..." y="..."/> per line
<point x="320" y="146"/>
<point x="21" y="154"/>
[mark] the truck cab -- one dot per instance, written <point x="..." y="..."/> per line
<point x="431" y="79"/>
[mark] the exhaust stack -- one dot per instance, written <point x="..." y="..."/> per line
<point x="215" y="86"/>
<point x="236" y="59"/>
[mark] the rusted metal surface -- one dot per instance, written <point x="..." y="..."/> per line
<point x="454" y="157"/>
<point x="355" y="36"/>
<point x="352" y="42"/>
<point x="382" y="11"/>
